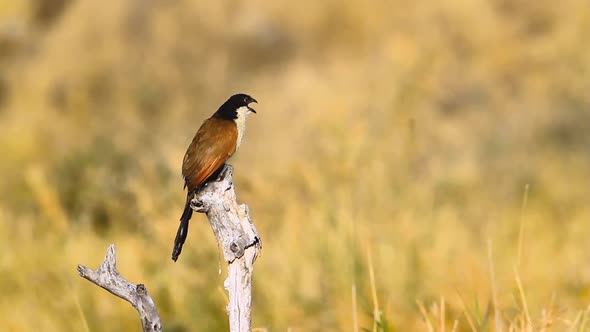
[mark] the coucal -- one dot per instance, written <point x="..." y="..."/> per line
<point x="218" y="138"/>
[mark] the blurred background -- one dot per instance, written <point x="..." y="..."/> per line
<point x="412" y="166"/>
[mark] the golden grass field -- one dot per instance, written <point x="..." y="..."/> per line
<point x="412" y="167"/>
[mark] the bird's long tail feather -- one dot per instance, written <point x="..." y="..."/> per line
<point x="182" y="228"/>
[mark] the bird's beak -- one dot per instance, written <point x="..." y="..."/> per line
<point x="252" y="100"/>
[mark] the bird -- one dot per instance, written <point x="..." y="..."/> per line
<point x="218" y="138"/>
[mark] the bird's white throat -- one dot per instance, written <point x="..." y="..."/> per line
<point x="242" y="114"/>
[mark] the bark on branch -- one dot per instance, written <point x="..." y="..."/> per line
<point x="239" y="240"/>
<point x="107" y="277"/>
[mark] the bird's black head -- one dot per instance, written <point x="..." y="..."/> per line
<point x="229" y="109"/>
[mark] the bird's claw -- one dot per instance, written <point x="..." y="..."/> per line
<point x="197" y="206"/>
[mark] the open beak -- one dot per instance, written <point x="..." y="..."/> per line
<point x="252" y="100"/>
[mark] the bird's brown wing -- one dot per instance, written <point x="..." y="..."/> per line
<point x="212" y="145"/>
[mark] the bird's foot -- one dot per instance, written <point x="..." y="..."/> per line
<point x="197" y="206"/>
<point x="221" y="174"/>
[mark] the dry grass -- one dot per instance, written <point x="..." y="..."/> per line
<point x="412" y="167"/>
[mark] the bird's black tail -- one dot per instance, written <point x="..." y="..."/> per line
<point x="182" y="228"/>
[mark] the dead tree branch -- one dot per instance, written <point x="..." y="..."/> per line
<point x="235" y="234"/>
<point x="107" y="277"/>
<point x="239" y="240"/>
